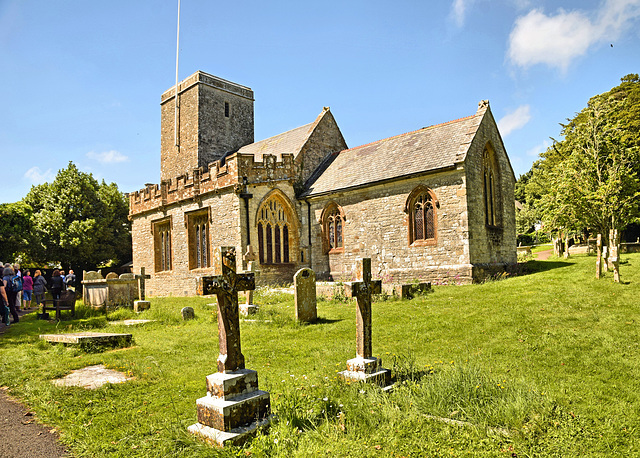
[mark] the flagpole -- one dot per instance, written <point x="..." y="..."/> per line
<point x="175" y="119"/>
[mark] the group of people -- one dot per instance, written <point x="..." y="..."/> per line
<point x="18" y="288"/>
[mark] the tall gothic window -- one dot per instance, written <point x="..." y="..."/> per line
<point x="421" y="208"/>
<point x="198" y="233"/>
<point x="162" y="245"/>
<point x="489" y="172"/>
<point x="332" y="226"/>
<point x="274" y="227"/>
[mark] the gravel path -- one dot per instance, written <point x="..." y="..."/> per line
<point x="22" y="436"/>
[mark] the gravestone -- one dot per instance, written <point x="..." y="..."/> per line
<point x="90" y="339"/>
<point x="304" y="282"/>
<point x="142" y="303"/>
<point x="249" y="308"/>
<point x="234" y="407"/>
<point x="112" y="291"/>
<point x="187" y="313"/>
<point x="613" y="256"/>
<point x="111" y="276"/>
<point x="365" y="367"/>
<point x="599" y="256"/>
<point x="605" y="257"/>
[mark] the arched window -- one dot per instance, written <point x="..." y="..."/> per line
<point x="332" y="227"/>
<point x="490" y="189"/>
<point x="274" y="223"/>
<point x="421" y="208"/>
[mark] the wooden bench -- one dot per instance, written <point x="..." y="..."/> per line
<point x="67" y="301"/>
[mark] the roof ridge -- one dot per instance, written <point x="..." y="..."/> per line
<point x="281" y="133"/>
<point x="407" y="133"/>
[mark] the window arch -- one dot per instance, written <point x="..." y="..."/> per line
<point x="490" y="188"/>
<point x="333" y="228"/>
<point x="421" y="208"/>
<point x="274" y="223"/>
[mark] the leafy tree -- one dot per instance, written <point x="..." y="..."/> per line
<point x="15" y="231"/>
<point x="590" y="178"/>
<point x="78" y="221"/>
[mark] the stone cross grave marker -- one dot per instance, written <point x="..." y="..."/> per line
<point x="365" y="367"/>
<point x="305" y="295"/>
<point x="226" y="286"/>
<point x="141" y="304"/>
<point x="234" y="407"/>
<point x="249" y="307"/>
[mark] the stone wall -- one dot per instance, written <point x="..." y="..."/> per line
<point x="376" y="226"/>
<point x="490" y="248"/>
<point x="205" y="132"/>
<point x="225" y="230"/>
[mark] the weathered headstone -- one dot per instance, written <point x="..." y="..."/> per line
<point x="90" y="339"/>
<point x="234" y="407"/>
<point x="111" y="276"/>
<point x="365" y="367"/>
<point x="142" y="303"/>
<point x="304" y="282"/>
<point x="249" y="308"/>
<point x="599" y="256"/>
<point x="605" y="258"/>
<point x="188" y="313"/>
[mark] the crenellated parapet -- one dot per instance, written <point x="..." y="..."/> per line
<point x="220" y="176"/>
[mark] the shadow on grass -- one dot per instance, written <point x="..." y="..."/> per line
<point x="544" y="266"/>
<point x="321" y="320"/>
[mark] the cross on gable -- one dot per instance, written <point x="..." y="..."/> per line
<point x="141" y="279"/>
<point x="226" y="286"/>
<point x="363" y="290"/>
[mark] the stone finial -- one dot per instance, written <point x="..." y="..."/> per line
<point x="483" y="105"/>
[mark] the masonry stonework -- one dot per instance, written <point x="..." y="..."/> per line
<point x="217" y="186"/>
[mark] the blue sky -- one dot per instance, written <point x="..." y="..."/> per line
<point x="82" y="79"/>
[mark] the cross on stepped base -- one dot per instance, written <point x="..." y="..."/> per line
<point x="365" y="367"/>
<point x="234" y="407"/>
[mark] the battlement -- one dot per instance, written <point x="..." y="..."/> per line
<point x="206" y="79"/>
<point x="222" y="175"/>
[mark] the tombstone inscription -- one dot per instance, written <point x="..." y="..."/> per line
<point x="234" y="407"/>
<point x="365" y="367"/>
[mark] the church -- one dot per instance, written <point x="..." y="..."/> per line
<point x="435" y="204"/>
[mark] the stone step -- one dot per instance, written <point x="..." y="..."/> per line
<point x="227" y="386"/>
<point x="236" y="436"/>
<point x="381" y="378"/>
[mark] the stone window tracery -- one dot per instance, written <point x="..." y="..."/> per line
<point x="198" y="233"/>
<point x="274" y="222"/>
<point x="490" y="191"/>
<point x="333" y="228"/>
<point x="162" y="245"/>
<point x="421" y="207"/>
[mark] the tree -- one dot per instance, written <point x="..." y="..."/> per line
<point x="15" y="231"/>
<point x="79" y="222"/>
<point x="590" y="178"/>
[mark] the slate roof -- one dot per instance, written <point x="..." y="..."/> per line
<point x="431" y="148"/>
<point x="290" y="142"/>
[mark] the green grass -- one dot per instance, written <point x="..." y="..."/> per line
<point x="544" y="364"/>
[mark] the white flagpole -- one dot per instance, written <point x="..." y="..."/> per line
<point x="175" y="123"/>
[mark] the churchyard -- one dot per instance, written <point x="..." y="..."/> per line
<point x="545" y="364"/>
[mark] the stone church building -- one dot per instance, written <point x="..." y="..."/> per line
<point x="432" y="204"/>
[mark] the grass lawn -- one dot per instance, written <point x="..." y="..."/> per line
<point x="544" y="364"/>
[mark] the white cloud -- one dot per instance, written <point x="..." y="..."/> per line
<point x="36" y="176"/>
<point x="514" y="120"/>
<point x="458" y="11"/>
<point x="555" y="40"/>
<point x="539" y="149"/>
<point x="108" y="157"/>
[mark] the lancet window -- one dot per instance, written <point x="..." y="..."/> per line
<point x="198" y="229"/>
<point x="421" y="207"/>
<point x="162" y="245"/>
<point x="333" y="228"/>
<point x="274" y="226"/>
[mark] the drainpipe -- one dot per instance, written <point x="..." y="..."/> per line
<point x="246" y="196"/>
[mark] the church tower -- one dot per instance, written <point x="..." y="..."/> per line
<point x="215" y="117"/>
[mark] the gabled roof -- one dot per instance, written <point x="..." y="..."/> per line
<point x="431" y="148"/>
<point x="290" y="142"/>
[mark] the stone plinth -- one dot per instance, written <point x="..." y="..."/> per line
<point x="233" y="408"/>
<point x="141" y="306"/>
<point x="112" y="291"/>
<point x="368" y="370"/>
